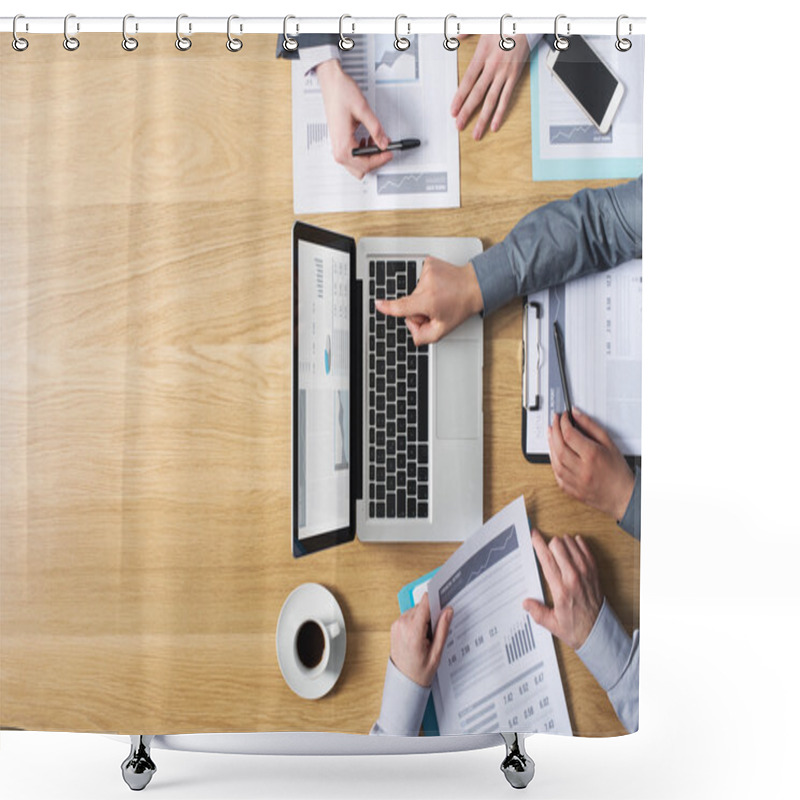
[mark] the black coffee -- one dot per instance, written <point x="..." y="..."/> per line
<point x="310" y="644"/>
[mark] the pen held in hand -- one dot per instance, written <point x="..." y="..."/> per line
<point x="562" y="370"/>
<point x="403" y="144"/>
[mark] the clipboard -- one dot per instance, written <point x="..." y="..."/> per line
<point x="532" y="356"/>
<point x="600" y="317"/>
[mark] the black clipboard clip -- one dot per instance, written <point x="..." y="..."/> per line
<point x="531" y="345"/>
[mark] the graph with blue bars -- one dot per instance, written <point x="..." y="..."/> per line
<point x="520" y="641"/>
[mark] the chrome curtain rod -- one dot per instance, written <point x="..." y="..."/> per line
<point x="294" y="25"/>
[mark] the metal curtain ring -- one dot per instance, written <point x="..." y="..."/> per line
<point x="183" y="43"/>
<point x="623" y="45"/>
<point x="345" y="42"/>
<point x="128" y="42"/>
<point x="506" y="42"/>
<point x="70" y="42"/>
<point x="450" y="42"/>
<point x="234" y="45"/>
<point x="289" y="44"/>
<point x="18" y="43"/>
<point x="560" y="43"/>
<point x="401" y="43"/>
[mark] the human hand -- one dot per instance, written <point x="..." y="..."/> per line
<point x="412" y="652"/>
<point x="588" y="465"/>
<point x="444" y="297"/>
<point x="490" y="78"/>
<point x="571" y="573"/>
<point x="345" y="109"/>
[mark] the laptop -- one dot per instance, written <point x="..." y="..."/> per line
<point x="387" y="437"/>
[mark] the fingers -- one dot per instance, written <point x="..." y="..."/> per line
<point x="423" y="616"/>
<point x="359" y="166"/>
<point x="502" y="105"/>
<point x="552" y="573"/>
<point x="593" y="428"/>
<point x="473" y="101"/>
<point x="440" y="636"/>
<point x="465" y="87"/>
<point x="541" y="614"/>
<point x="563" y="458"/>
<point x="574" y="439"/>
<point x="366" y="116"/>
<point x="489" y="105"/>
<point x="570" y="560"/>
<point x="590" y="565"/>
<point x="407" y="306"/>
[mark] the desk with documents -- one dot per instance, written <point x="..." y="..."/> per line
<point x="146" y="549"/>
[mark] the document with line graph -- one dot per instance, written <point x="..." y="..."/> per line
<point x="499" y="670"/>
<point x="410" y="92"/>
<point x="565" y="143"/>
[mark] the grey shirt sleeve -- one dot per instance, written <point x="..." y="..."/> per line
<point x="403" y="705"/>
<point x="613" y="658"/>
<point x="306" y="40"/>
<point x="594" y="230"/>
<point x="631" y="521"/>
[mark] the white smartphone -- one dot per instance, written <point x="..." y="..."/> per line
<point x="588" y="80"/>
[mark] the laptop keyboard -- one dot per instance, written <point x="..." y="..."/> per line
<point x="398" y="402"/>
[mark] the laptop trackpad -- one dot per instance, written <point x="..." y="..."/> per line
<point x="458" y="389"/>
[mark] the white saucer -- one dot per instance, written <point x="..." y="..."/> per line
<point x="309" y="600"/>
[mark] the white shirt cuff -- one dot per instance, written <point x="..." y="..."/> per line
<point x="403" y="705"/>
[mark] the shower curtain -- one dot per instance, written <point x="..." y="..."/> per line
<point x="157" y="572"/>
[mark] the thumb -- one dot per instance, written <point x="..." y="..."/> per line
<point x="541" y="614"/>
<point x="591" y="428"/>
<point x="368" y="119"/>
<point x="440" y="636"/>
<point x="421" y="332"/>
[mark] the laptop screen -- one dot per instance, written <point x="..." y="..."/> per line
<point x="322" y="387"/>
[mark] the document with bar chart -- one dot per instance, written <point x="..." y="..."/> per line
<point x="410" y="92"/>
<point x="499" y="670"/>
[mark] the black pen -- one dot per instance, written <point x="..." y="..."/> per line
<point x="373" y="149"/>
<point x="562" y="370"/>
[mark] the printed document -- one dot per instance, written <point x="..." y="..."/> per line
<point x="600" y="317"/>
<point x="566" y="145"/>
<point x="410" y="91"/>
<point x="499" y="670"/>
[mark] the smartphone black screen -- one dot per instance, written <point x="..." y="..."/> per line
<point x="586" y="76"/>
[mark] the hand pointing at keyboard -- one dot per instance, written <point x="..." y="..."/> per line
<point x="444" y="297"/>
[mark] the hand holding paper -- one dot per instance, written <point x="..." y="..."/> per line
<point x="571" y="573"/>
<point x="416" y="656"/>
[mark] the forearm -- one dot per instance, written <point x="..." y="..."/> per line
<point x="402" y="706"/>
<point x="594" y="230"/>
<point x="631" y="521"/>
<point x="613" y="658"/>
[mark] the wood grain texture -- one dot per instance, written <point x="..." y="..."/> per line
<point x="145" y="216"/>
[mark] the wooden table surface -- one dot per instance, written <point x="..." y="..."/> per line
<point x="146" y="211"/>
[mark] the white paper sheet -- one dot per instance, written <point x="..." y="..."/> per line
<point x="566" y="145"/>
<point x="601" y="320"/>
<point x="499" y="670"/>
<point x="410" y="92"/>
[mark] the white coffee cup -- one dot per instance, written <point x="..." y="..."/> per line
<point x="312" y="645"/>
